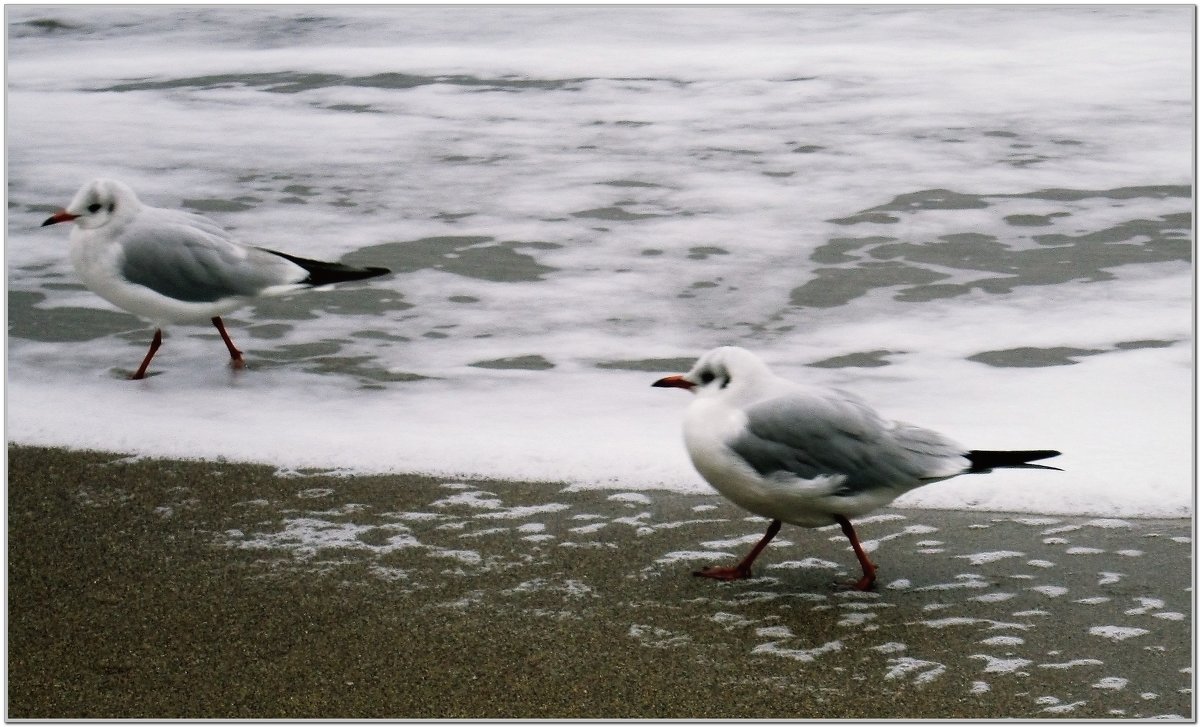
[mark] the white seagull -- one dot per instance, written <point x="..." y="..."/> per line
<point x="809" y="456"/>
<point x="168" y="266"/>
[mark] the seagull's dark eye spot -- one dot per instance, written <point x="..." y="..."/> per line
<point x="707" y="377"/>
<point x="94" y="207"/>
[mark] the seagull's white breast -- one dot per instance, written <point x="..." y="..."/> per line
<point x="709" y="426"/>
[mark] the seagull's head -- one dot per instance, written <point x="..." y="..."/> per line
<point x="98" y="203"/>
<point x="724" y="369"/>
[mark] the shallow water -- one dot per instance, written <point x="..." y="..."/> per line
<point x="978" y="218"/>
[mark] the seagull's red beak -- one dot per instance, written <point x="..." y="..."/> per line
<point x="60" y="216"/>
<point x="675" y="382"/>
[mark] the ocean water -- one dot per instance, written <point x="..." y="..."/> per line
<point x="978" y="218"/>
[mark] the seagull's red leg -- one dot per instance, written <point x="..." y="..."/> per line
<point x="238" y="362"/>
<point x="741" y="570"/>
<point x="154" y="344"/>
<point x="867" y="582"/>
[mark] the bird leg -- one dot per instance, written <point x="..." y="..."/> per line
<point x="741" y="570"/>
<point x="867" y="582"/>
<point x="154" y="344"/>
<point x="237" y="362"/>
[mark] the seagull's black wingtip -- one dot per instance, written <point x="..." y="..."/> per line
<point x="983" y="460"/>
<point x="321" y="273"/>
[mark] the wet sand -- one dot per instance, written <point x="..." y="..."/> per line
<point x="165" y="589"/>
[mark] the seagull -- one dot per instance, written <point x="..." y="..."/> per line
<point x="168" y="266"/>
<point x="809" y="456"/>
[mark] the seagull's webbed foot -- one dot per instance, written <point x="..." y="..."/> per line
<point x="866" y="583"/>
<point x="740" y="571"/>
<point x="723" y="573"/>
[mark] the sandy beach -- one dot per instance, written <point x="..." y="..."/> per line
<point x="165" y="589"/>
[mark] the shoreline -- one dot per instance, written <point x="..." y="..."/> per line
<point x="147" y="588"/>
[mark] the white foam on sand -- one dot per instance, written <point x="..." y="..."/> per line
<point x="998" y="665"/>
<point x="802" y="655"/>
<point x="1117" y="633"/>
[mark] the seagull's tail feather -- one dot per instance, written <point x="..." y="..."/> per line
<point x="983" y="460"/>
<point x="323" y="273"/>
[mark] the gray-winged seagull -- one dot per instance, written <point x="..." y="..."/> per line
<point x="809" y="456"/>
<point x="168" y="266"/>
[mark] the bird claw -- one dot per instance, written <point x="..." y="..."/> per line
<point x="866" y="583"/>
<point x="722" y="573"/>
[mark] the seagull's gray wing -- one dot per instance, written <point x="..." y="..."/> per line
<point x="809" y="435"/>
<point x="188" y="258"/>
